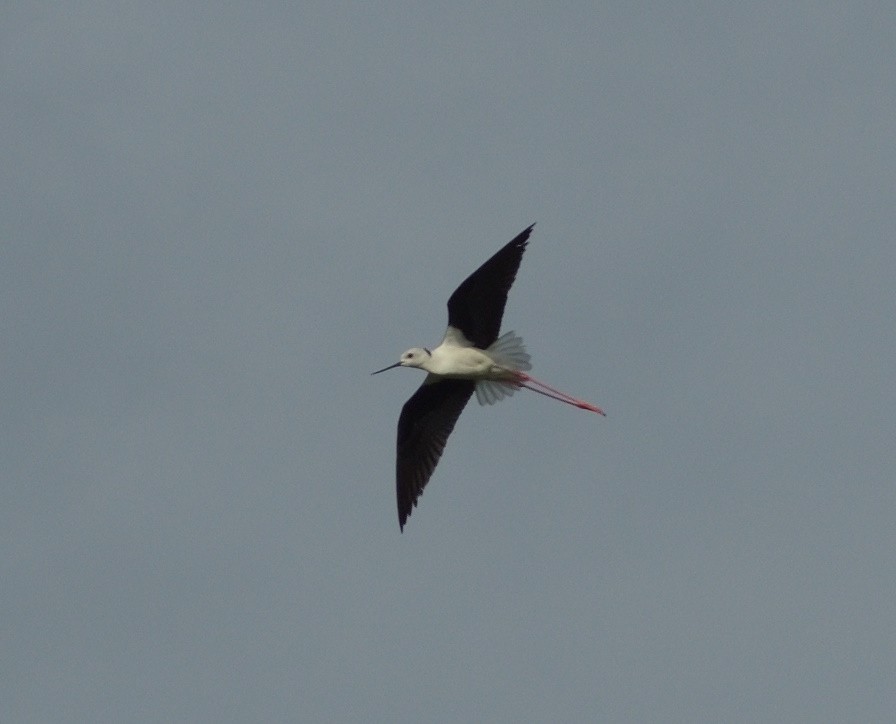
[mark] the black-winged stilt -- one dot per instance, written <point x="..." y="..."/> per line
<point x="471" y="357"/>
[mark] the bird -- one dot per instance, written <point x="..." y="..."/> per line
<point x="470" y="358"/>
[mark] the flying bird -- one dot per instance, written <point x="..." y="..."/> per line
<point x="471" y="357"/>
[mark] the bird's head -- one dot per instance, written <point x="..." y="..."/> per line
<point x="414" y="357"/>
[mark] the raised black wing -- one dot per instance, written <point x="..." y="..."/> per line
<point x="477" y="305"/>
<point x="426" y="421"/>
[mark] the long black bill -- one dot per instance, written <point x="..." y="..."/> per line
<point x="397" y="364"/>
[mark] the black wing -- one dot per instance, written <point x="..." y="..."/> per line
<point x="477" y="305"/>
<point x="426" y="421"/>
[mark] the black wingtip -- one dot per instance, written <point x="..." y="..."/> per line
<point x="523" y="237"/>
<point x="404" y="512"/>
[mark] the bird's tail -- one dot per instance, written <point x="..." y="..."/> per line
<point x="508" y="352"/>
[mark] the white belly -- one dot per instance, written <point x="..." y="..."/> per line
<point x="466" y="363"/>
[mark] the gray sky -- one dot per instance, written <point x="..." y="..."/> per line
<point x="217" y="221"/>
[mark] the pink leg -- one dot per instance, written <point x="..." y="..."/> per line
<point x="548" y="391"/>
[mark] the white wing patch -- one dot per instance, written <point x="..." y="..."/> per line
<point x="455" y="338"/>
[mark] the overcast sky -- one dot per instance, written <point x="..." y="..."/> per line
<point x="215" y="222"/>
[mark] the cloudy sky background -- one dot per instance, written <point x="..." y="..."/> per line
<point x="216" y="221"/>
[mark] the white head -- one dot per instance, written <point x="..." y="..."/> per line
<point x="414" y="357"/>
